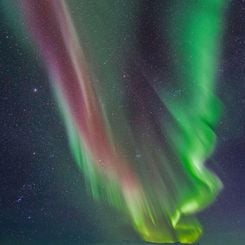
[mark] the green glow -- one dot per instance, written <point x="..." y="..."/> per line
<point x="195" y="38"/>
<point x="169" y="183"/>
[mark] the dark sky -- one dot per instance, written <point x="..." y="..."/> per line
<point x="42" y="196"/>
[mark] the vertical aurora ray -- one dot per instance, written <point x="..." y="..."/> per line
<point x="149" y="160"/>
<point x="195" y="37"/>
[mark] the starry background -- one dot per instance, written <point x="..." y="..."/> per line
<point x="42" y="197"/>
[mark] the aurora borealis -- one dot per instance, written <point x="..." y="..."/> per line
<point x="139" y="90"/>
<point x="166" y="183"/>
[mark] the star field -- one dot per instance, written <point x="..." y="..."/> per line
<point x="43" y="196"/>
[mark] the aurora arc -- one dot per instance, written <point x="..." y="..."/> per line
<point x="138" y="146"/>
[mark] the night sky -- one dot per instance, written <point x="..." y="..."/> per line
<point x="42" y="193"/>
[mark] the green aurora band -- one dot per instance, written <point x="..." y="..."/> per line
<point x="141" y="142"/>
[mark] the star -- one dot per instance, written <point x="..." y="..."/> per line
<point x="19" y="199"/>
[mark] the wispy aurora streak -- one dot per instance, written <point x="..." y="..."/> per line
<point x="149" y="161"/>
